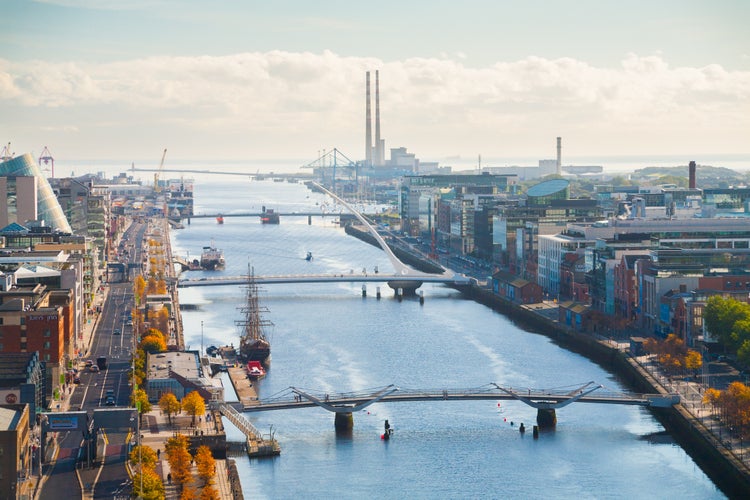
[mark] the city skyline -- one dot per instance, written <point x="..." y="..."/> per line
<point x="98" y="80"/>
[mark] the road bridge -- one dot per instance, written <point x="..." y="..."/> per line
<point x="546" y="401"/>
<point x="405" y="279"/>
<point x="456" y="279"/>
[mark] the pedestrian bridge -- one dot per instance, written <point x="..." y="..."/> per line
<point x="546" y="401"/>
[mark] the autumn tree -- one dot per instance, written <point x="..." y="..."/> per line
<point x="139" y="399"/>
<point x="188" y="493"/>
<point x="205" y="464"/>
<point x="143" y="454"/>
<point x="693" y="360"/>
<point x="209" y="493"/>
<point x="179" y="458"/>
<point x="151" y="286"/>
<point x="139" y="285"/>
<point x="153" y="343"/>
<point x="153" y="487"/>
<point x="194" y="404"/>
<point x="169" y="405"/>
<point x="161" y="286"/>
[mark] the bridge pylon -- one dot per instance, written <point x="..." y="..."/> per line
<point x="344" y="419"/>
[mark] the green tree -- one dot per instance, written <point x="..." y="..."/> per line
<point x="194" y="404"/>
<point x="169" y="405"/>
<point x="743" y="353"/>
<point x="721" y="314"/>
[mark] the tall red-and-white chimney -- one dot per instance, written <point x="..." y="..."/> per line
<point x="368" y="127"/>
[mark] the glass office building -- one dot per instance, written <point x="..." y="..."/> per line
<point x="48" y="208"/>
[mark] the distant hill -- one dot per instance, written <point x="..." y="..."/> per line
<point x="706" y="175"/>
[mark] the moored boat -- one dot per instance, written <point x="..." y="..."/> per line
<point x="255" y="370"/>
<point x="212" y="258"/>
<point x="254" y="345"/>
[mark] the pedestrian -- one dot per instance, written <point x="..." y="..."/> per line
<point x="158" y="453"/>
<point x="169" y="478"/>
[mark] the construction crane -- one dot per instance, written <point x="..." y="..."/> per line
<point x="47" y="159"/>
<point x="157" y="188"/>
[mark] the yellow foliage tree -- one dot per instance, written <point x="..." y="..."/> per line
<point x="143" y="454"/>
<point x="139" y="285"/>
<point x="206" y="464"/>
<point x="161" y="285"/>
<point x="153" y="343"/>
<point x="209" y="493"/>
<point x="179" y="458"/>
<point x="169" y="405"/>
<point x="194" y="404"/>
<point x="693" y="360"/>
<point x="153" y="487"/>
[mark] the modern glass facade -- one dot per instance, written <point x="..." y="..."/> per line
<point x="48" y="208"/>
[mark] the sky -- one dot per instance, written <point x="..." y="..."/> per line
<point x="233" y="80"/>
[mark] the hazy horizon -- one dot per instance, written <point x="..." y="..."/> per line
<point x="257" y="80"/>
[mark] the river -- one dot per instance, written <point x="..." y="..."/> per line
<point x="326" y="337"/>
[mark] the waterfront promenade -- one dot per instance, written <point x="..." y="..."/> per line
<point x="707" y="429"/>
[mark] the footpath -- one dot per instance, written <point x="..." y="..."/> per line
<point x="156" y="428"/>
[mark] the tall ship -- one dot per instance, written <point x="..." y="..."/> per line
<point x="212" y="258"/>
<point x="254" y="344"/>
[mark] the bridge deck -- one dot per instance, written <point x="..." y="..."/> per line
<point x="323" y="278"/>
<point x="295" y="398"/>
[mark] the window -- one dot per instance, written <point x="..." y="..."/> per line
<point x="47" y="332"/>
<point x="47" y="357"/>
<point x="46" y="345"/>
<point x="23" y="346"/>
<point x="1" y="346"/>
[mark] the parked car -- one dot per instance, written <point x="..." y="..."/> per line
<point x="76" y="379"/>
<point x="94" y="369"/>
<point x="89" y="362"/>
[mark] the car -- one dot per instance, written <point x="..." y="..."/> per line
<point x="110" y="401"/>
<point x="129" y="322"/>
<point x="76" y="379"/>
<point x="94" y="369"/>
<point x="89" y="362"/>
<point x="117" y="331"/>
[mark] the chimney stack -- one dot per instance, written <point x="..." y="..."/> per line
<point x="691" y="170"/>
<point x="559" y="156"/>
<point x="378" y="148"/>
<point x="368" y="127"/>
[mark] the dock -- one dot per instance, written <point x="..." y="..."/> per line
<point x="257" y="445"/>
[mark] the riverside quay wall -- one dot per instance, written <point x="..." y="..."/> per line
<point x="729" y="473"/>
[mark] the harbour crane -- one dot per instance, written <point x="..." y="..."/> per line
<point x="157" y="188"/>
<point x="47" y="159"/>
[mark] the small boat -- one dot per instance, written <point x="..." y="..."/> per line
<point x="220" y="219"/>
<point x="255" y="370"/>
<point x="269" y="216"/>
<point x="309" y="256"/>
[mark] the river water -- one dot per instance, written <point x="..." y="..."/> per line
<point x="326" y="337"/>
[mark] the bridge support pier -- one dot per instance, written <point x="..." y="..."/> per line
<point x="546" y="418"/>
<point x="407" y="287"/>
<point x="343" y="422"/>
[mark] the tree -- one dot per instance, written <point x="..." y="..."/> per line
<point x="188" y="493"/>
<point x="139" y="285"/>
<point x="152" y="343"/>
<point x="721" y="314"/>
<point x="139" y="399"/>
<point x="169" y="405"/>
<point x="179" y="458"/>
<point x="693" y="360"/>
<point x="145" y="454"/>
<point x="206" y="464"/>
<point x="743" y="353"/>
<point x="209" y="493"/>
<point x="153" y="488"/>
<point x="194" y="404"/>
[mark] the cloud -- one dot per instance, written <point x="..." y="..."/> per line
<point x="288" y="97"/>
